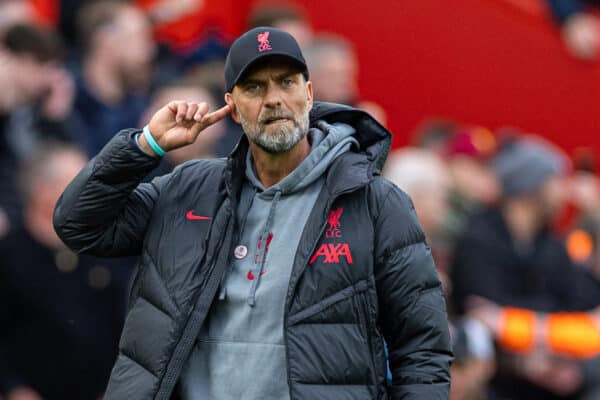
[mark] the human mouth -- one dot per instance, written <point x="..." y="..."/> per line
<point x="275" y="120"/>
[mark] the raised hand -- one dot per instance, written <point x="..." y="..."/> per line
<point x="179" y="123"/>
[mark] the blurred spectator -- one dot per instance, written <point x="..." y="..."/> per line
<point x="580" y="28"/>
<point x="583" y="243"/>
<point x="548" y="348"/>
<point x="60" y="313"/>
<point x="116" y="70"/>
<point x="184" y="90"/>
<point x="510" y="256"/>
<point x="15" y="12"/>
<point x="36" y="96"/>
<point x="286" y="16"/>
<point x="474" y="185"/>
<point x="583" y="240"/>
<point x="333" y="66"/>
<point x="423" y="175"/>
<point x="568" y="334"/>
<point x="333" y="69"/>
<point x="473" y="364"/>
<point x="434" y="135"/>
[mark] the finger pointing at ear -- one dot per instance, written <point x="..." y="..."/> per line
<point x="216" y="116"/>
<point x="178" y="124"/>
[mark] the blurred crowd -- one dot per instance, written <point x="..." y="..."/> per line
<point x="513" y="226"/>
<point x="513" y="223"/>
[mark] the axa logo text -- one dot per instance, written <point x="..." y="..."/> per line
<point x="332" y="253"/>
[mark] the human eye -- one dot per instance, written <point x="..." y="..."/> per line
<point x="252" y="87"/>
<point x="288" y="82"/>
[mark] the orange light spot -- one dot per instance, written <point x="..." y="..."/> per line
<point x="579" y="245"/>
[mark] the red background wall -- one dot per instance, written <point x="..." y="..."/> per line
<point x="489" y="62"/>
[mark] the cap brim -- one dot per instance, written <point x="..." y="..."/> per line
<point x="260" y="57"/>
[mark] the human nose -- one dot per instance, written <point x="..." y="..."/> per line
<point x="273" y="96"/>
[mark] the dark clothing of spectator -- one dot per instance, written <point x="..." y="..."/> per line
<point x="563" y="9"/>
<point x="540" y="277"/>
<point x="100" y="121"/>
<point x="9" y="200"/>
<point x="21" y="132"/>
<point x="60" y="315"/>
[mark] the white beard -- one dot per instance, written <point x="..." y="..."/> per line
<point x="281" y="139"/>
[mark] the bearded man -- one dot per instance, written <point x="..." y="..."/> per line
<point x="276" y="273"/>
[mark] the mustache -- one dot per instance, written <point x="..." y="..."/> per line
<point x="275" y="115"/>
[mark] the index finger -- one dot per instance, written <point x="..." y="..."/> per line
<point x="216" y="115"/>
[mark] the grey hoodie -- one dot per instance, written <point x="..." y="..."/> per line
<point x="240" y="351"/>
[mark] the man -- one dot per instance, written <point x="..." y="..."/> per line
<point x="35" y="102"/>
<point x="59" y="312"/>
<point x="580" y="27"/>
<point x="510" y="257"/>
<point x="274" y="274"/>
<point x="116" y="71"/>
<point x="334" y="70"/>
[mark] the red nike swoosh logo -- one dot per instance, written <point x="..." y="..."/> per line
<point x="193" y="217"/>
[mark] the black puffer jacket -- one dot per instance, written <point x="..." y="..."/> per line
<point x="357" y="277"/>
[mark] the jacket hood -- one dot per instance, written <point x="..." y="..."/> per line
<point x="373" y="139"/>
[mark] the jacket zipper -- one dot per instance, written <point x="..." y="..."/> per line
<point x="286" y="315"/>
<point x="313" y="247"/>
<point x="363" y="298"/>
<point x="166" y="388"/>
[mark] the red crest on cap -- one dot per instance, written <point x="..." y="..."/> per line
<point x="263" y="42"/>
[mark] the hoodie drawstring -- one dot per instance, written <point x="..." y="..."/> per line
<point x="245" y="199"/>
<point x="262" y="251"/>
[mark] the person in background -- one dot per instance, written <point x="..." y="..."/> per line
<point x="423" y="175"/>
<point x="467" y="153"/>
<point x="510" y="256"/>
<point x="583" y="243"/>
<point x="116" y="70"/>
<point x="583" y="239"/>
<point x="580" y="27"/>
<point x="549" y="348"/>
<point x="36" y="98"/>
<point x="474" y="363"/>
<point x="434" y="134"/>
<point x="60" y="313"/>
<point x="335" y="64"/>
<point x="519" y="330"/>
<point x="14" y="12"/>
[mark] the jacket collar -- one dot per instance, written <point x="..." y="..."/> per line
<point x="352" y="169"/>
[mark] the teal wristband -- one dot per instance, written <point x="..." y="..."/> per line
<point x="160" y="152"/>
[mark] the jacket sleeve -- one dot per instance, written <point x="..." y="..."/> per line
<point x="412" y="312"/>
<point x="105" y="210"/>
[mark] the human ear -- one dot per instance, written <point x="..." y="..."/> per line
<point x="309" y="94"/>
<point x="234" y="112"/>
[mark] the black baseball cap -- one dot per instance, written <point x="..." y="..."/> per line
<point x="257" y="44"/>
